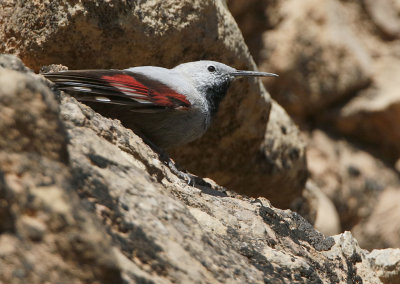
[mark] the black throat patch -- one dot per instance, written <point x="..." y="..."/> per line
<point x="214" y="97"/>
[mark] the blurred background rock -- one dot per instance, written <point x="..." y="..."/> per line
<point x="339" y="67"/>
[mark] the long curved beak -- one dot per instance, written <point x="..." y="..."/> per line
<point x="238" y="73"/>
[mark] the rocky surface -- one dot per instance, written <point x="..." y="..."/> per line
<point x="374" y="113"/>
<point x="309" y="47"/>
<point x="352" y="178"/>
<point x="339" y="63"/>
<point x="109" y="211"/>
<point x="82" y="199"/>
<point x="322" y="210"/>
<point x="102" y="34"/>
<point x="386" y="263"/>
<point x="46" y="234"/>
<point x="381" y="228"/>
<point x="339" y="58"/>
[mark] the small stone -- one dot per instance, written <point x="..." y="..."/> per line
<point x="33" y="228"/>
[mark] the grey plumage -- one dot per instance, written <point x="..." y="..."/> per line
<point x="170" y="107"/>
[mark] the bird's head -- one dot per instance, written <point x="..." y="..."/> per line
<point x="212" y="79"/>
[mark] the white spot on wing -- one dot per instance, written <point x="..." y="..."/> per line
<point x="129" y="92"/>
<point x="103" y="99"/>
<point x="136" y="97"/>
<point x="82" y="89"/>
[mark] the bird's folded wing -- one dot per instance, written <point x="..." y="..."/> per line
<point x="119" y="87"/>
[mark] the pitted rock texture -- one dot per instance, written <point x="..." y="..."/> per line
<point x="110" y="211"/>
<point x="339" y="63"/>
<point x="387" y="264"/>
<point x="101" y="34"/>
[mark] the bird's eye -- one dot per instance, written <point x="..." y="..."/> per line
<point x="211" y="68"/>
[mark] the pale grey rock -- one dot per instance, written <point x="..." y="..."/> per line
<point x="387" y="264"/>
<point x="372" y="115"/>
<point x="380" y="229"/>
<point x="112" y="212"/>
<point x="101" y="34"/>
<point x="385" y="15"/>
<point x="316" y="51"/>
<point x="327" y="219"/>
<point x="357" y="265"/>
<point x="354" y="180"/>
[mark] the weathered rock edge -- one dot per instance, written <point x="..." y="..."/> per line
<point x="110" y="211"/>
<point x="121" y="34"/>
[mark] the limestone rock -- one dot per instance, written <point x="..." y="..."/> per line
<point x="357" y="264"/>
<point x="385" y="16"/>
<point x="387" y="264"/>
<point x="278" y="161"/>
<point x="28" y="116"/>
<point x="251" y="16"/>
<point x="8" y="61"/>
<point x="317" y="54"/>
<point x="46" y="234"/>
<point x="338" y="56"/>
<point x="113" y="213"/>
<point x="372" y="116"/>
<point x="102" y="34"/>
<point x="354" y="154"/>
<point x="352" y="178"/>
<point x="284" y="149"/>
<point x="119" y="35"/>
<point x="327" y="220"/>
<point x="380" y="229"/>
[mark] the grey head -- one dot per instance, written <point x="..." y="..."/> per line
<point x="212" y="79"/>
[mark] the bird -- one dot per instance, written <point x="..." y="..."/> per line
<point x="169" y="107"/>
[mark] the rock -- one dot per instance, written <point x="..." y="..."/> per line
<point x="284" y="149"/>
<point x="380" y="229"/>
<point x="8" y="61"/>
<point x="385" y="16"/>
<point x="397" y="166"/>
<point x="310" y="43"/>
<point x="46" y="233"/>
<point x="372" y="115"/>
<point x="113" y="213"/>
<point x="252" y="19"/>
<point x="327" y="220"/>
<point x="278" y="162"/>
<point x="318" y="209"/>
<point x="387" y="264"/>
<point x="164" y="33"/>
<point x="366" y="91"/>
<point x="29" y="115"/>
<point x="316" y="52"/>
<point x="357" y="264"/>
<point x="352" y="178"/>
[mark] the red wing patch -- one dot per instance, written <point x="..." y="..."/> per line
<point x="119" y="87"/>
<point x="152" y="91"/>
